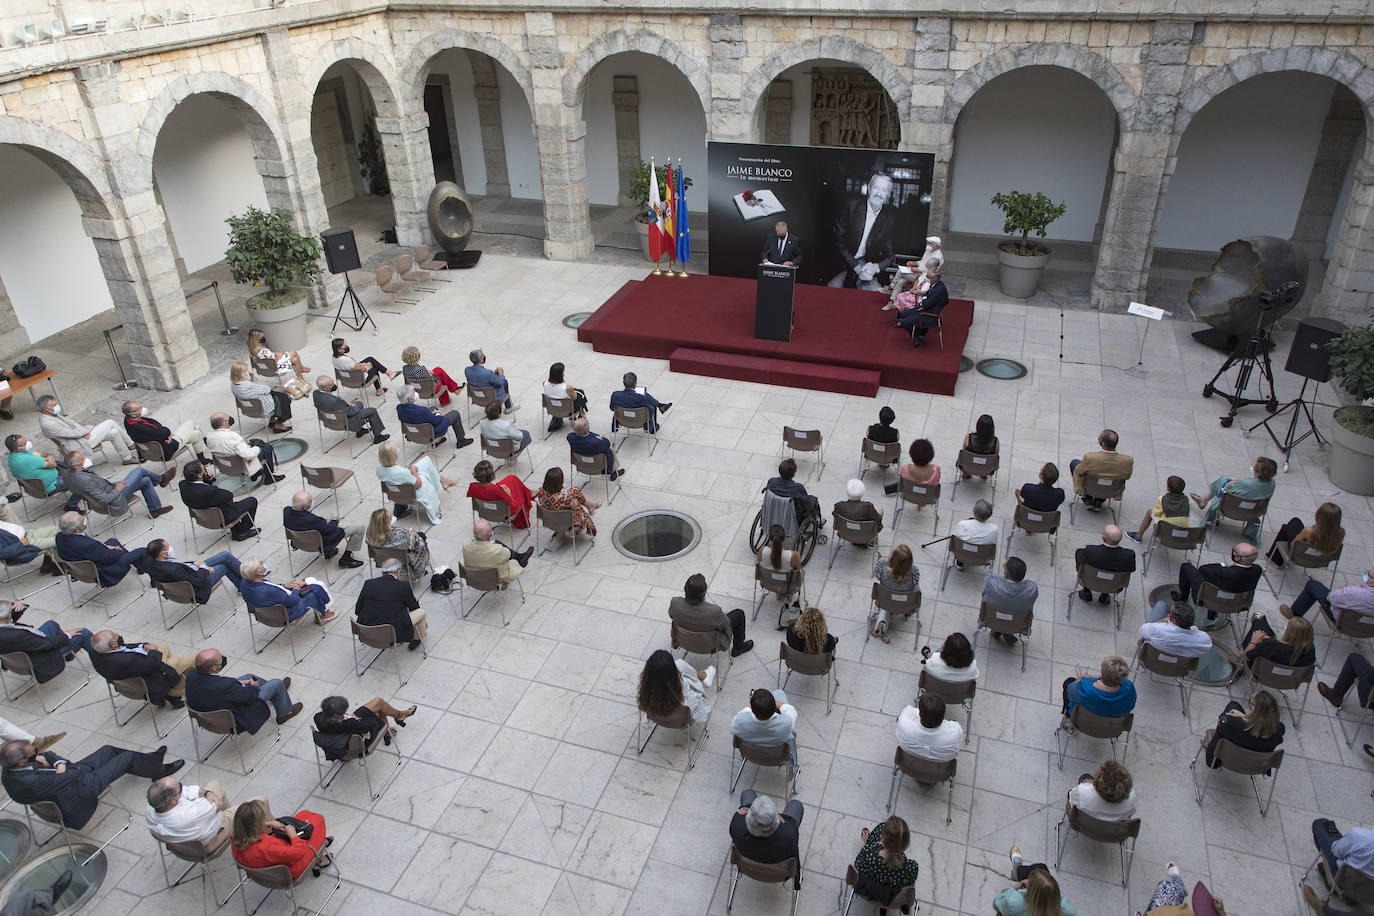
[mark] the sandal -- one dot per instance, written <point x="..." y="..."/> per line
<point x="401" y="719"/>
<point x="321" y="864"/>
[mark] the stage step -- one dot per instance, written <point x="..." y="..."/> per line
<point x="770" y="371"/>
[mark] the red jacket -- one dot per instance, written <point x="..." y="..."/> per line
<point x="297" y="855"/>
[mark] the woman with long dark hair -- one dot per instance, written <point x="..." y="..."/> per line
<point x="666" y="683"/>
<point x="773" y="556"/>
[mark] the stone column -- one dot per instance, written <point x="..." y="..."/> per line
<point x="1340" y="131"/>
<point x="727" y="120"/>
<point x="132" y="245"/>
<point x="625" y="103"/>
<point x="1347" y="292"/>
<point x="11" y="328"/>
<point x="409" y="169"/>
<point x="488" y="92"/>
<point x="777" y="112"/>
<point x="927" y="125"/>
<point x="561" y="135"/>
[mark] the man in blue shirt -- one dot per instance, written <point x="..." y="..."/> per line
<point x="632" y="396"/>
<point x="1355" y="849"/>
<point x="479" y="376"/>
<point x="585" y="442"/>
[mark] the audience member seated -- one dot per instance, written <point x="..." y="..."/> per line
<point x="1259" y="729"/>
<point x="26" y="464"/>
<point x="883" y="431"/>
<point x="178" y="813"/>
<point x="1357" y="597"/>
<point x="1258" y="486"/>
<point x="1109" y="556"/>
<point x="368" y="720"/>
<point x="923" y="730"/>
<point x="20" y="545"/>
<point x="809" y="634"/>
<point x="410" y="410"/>
<point x="298" y="596"/>
<point x="75" y="785"/>
<point x="553" y="496"/>
<point x="111" y="560"/>
<point x="479" y="376"/>
<point x="82" y="481"/>
<point x="856" y="508"/>
<point x="493" y="427"/>
<point x="422" y="475"/>
<point x="1111" y="695"/>
<point x="382" y="531"/>
<point x="414" y="372"/>
<point x="925" y="316"/>
<point x="1170" y="897"/>
<point x="897" y="574"/>
<point x="667" y="683"/>
<point x="483" y="551"/>
<point x="289" y="364"/>
<point x="1169" y="628"/>
<point x="556" y="387"/>
<point x="70" y="436"/>
<point x="786" y="485"/>
<point x="261" y="841"/>
<point x="978" y="529"/>
<point x="1355" y="848"/>
<point x="1355" y="671"/>
<point x="1107" y="795"/>
<point x="116" y="660"/>
<point x="259" y="458"/>
<point x="769" y="720"/>
<point x="198" y="491"/>
<point x="632" y="396"/>
<point x="276" y="403"/>
<point x="982" y="441"/>
<point x="922" y="469"/>
<point x="298" y="517"/>
<point x="1293" y="649"/>
<point x="772" y="556"/>
<point x="884" y="870"/>
<point x="370" y="365"/>
<point x="143" y="428"/>
<point x="250" y="698"/>
<point x="1042" y="496"/>
<point x="954" y="662"/>
<point x="692" y="611"/>
<point x="1011" y="591"/>
<point x="387" y="599"/>
<point x="1240" y="575"/>
<point x="760" y="833"/>
<point x="361" y="419"/>
<point x="510" y="490"/>
<point x="1324" y="535"/>
<point x="47" y="644"/>
<point x="584" y="442"/>
<point x="1172" y="507"/>
<point x="11" y="732"/>
<point x="1107" y="464"/>
<point x="1035" y="892"/>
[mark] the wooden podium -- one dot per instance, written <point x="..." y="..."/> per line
<point x="773" y="302"/>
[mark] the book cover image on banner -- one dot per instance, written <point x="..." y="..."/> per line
<point x="824" y="194"/>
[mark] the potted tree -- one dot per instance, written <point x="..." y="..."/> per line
<point x="1352" y="433"/>
<point x="1021" y="261"/>
<point x="266" y="250"/>
<point x="638" y="194"/>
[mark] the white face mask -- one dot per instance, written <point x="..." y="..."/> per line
<point x="57" y="409"/>
<point x="28" y="446"/>
<point x="170" y="552"/>
<point x="143" y="411"/>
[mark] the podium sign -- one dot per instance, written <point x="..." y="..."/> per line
<point x="773" y="302"/>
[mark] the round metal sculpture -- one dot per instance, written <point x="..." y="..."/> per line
<point x="656" y="535"/>
<point x="1229" y="298"/>
<point x="40" y="874"/>
<point x="450" y="216"/>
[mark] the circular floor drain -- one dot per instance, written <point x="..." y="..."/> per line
<point x="40" y="874"/>
<point x="656" y="535"/>
<point x="965" y="364"/>
<point x="1000" y="368"/>
<point x="289" y="448"/>
<point x="575" y="319"/>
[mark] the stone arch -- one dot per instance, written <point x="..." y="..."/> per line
<point x="1069" y="57"/>
<point x="645" y="42"/>
<point x="831" y="47"/>
<point x="357" y="54"/>
<point x="74" y="164"/>
<point x="412" y="78"/>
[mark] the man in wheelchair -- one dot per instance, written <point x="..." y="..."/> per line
<point x="785" y="485"/>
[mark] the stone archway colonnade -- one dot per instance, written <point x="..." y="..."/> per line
<point x="95" y="118"/>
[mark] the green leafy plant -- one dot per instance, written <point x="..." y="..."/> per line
<point x="1026" y="213"/>
<point x="1352" y="361"/>
<point x="372" y="160"/>
<point x="639" y="188"/>
<point x="266" y="250"/>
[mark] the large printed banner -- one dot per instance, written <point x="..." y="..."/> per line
<point x="855" y="212"/>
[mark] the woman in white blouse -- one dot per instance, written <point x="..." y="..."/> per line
<point x="1107" y="795"/>
<point x="954" y="662"/>
<point x="370" y="365"/>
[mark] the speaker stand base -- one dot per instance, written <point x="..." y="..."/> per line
<point x="358" y="317"/>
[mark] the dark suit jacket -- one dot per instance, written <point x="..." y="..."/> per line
<point x="12" y="550"/>
<point x="1232" y="577"/>
<point x="791" y="250"/>
<point x="387" y="600"/>
<point x="46" y="651"/>
<point x="781" y="846"/>
<point x="885" y="434"/>
<point x="121" y="664"/>
<point x="1107" y="559"/>
<point x="197" y="494"/>
<point x="419" y="413"/>
<point x="328" y="400"/>
<point x="701" y="617"/>
<point x="76" y="792"/>
<point x="592" y="444"/>
<point x="629" y="398"/>
<point x="209" y="692"/>
<point x="849" y="231"/>
<point x="146" y="429"/>
<point x="172" y="571"/>
<point x="112" y="561"/>
<point x="936" y="298"/>
<point x="298" y="520"/>
<point x="858" y="510"/>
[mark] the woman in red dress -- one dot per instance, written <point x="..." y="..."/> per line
<point x="261" y="842"/>
<point x="510" y="490"/>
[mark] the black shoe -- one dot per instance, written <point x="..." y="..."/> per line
<point x="402" y="512"/>
<point x="169" y="768"/>
<point x="742" y="648"/>
<point x="59" y="887"/>
<point x="555" y="424"/>
<point x="69" y="657"/>
<point x="1085" y="594"/>
<point x="523" y="558"/>
<point x="360" y="433"/>
<point x="413" y="645"/>
<point x="438" y="442"/>
<point x="1104" y="598"/>
<point x="378" y="440"/>
<point x="663" y="408"/>
<point x="277" y="478"/>
<point x="348" y="561"/>
<point x="176" y="702"/>
<point x="161" y="511"/>
<point x="463" y="443"/>
<point x="250" y="533"/>
<point x="617" y="473"/>
<point x="331" y="553"/>
<point x="6" y="415"/>
<point x="1176" y="595"/>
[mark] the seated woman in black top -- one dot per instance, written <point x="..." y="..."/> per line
<point x="367" y="720"/>
<point x="983" y="439"/>
<point x="1256" y="730"/>
<point x="808" y="633"/>
<point x="1295" y="647"/>
<point x="883" y="430"/>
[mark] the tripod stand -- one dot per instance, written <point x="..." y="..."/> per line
<point x="1252" y="354"/>
<point x="359" y="317"/>
<point x="1300" y="408"/>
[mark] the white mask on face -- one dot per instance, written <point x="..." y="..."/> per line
<point x="170" y="552"/>
<point x="143" y="411"/>
<point x="28" y="446"/>
<point x="57" y="409"/>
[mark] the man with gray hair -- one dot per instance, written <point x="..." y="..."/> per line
<point x="116" y="660"/>
<point x="479" y="376"/>
<point x="634" y="396"/>
<point x="979" y="529"/>
<point x="71" y="436"/>
<point x="582" y="441"/>
<point x="361" y="418"/>
<point x="112" y="561"/>
<point x="80" y="479"/>
<point x="46" y="644"/>
<point x="482" y="551"/>
<point x="390" y="601"/>
<point x="180" y="813"/>
<point x="410" y="410"/>
<point x="259" y="458"/>
<point x="298" y="517"/>
<point x="760" y="833"/>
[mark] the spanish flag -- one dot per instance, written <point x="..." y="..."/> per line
<point x="669" y="213"/>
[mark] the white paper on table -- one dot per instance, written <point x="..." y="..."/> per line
<point x="766" y="204"/>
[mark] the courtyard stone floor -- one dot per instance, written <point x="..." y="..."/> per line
<point x="521" y="789"/>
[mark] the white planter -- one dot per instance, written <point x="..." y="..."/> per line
<point x="1019" y="275"/>
<point x="284" y="327"/>
<point x="642" y="229"/>
<point x="1352" y="461"/>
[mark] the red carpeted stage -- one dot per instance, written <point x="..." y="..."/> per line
<point x="843" y="340"/>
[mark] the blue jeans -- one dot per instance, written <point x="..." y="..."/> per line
<point x="224" y="564"/>
<point x="274" y="692"/>
<point x="144" y="481"/>
<point x="81" y="640"/>
<point x="73" y="501"/>
<point x="1158" y="612"/>
<point x="1313" y="593"/>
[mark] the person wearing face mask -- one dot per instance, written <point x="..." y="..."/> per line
<point x="250" y="698"/>
<point x="71" y="436"/>
<point x="410" y="410"/>
<point x="141" y="427"/>
<point x="198" y="491"/>
<point x="47" y="643"/>
<point x="161" y="566"/>
<point x="82" y="481"/>
<point x="260" y="460"/>
<point x="19" y="545"/>
<point x="112" y="561"/>
<point x="275" y="402"/>
<point x="479" y="376"/>
<point x="117" y="660"/>
<point x="24" y="463"/>
<point x="361" y="419"/>
<point x="370" y="365"/>
<point x="299" y="596"/>
<point x="782" y="247"/>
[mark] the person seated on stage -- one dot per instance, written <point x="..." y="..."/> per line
<point x="1324" y="535"/>
<point x="75" y="786"/>
<point x="1108" y="794"/>
<point x="632" y="396"/>
<point x="1107" y="464"/>
<point x="111" y="560"/>
<point x="368" y="364"/>
<point x="922" y="469"/>
<point x="911" y="298"/>
<point x="361" y="419"/>
<point x="1257" y="729"/>
<point x="915" y="270"/>
<point x="781" y="248"/>
<point x="143" y="428"/>
<point x="692" y="611"/>
<point x="583" y="441"/>
<point x="1293" y="649"/>
<point x="479" y="376"/>
<point x="556" y="387"/>
<point x="493" y="427"/>
<point x="276" y="403"/>
<point x="1108" y="556"/>
<point x="1172" y="507"/>
<point x="510" y="490"/>
<point x="1258" y="486"/>
<point x="26" y="464"/>
<point x="410" y="410"/>
<point x="261" y="841"/>
<point x="926" y="315"/>
<point x="71" y="436"/>
<point x="923" y="730"/>
<point x="856" y="508"/>
<point x="261" y="460"/>
<point x="483" y="551"/>
<point x="80" y="479"/>
<point x="414" y="372"/>
<point x="115" y="660"/>
<point x="382" y="531"/>
<point x="202" y="575"/>
<point x="666" y="684"/>
<point x="388" y="599"/>
<point x="298" y="596"/>
<point x="1111" y="695"/>
<point x="298" y="517"/>
<point x="979" y="529"/>
<point x="806" y="505"/>
<point x="883" y="431"/>
<point x="1042" y="496"/>
<point x="198" y="491"/>
<point x="250" y="698"/>
<point x="47" y="644"/>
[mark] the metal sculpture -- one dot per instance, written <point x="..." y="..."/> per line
<point x="451" y="222"/>
<point x="1230" y="297"/>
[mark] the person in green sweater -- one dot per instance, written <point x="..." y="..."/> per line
<point x="1035" y="892"/>
<point x="24" y="462"/>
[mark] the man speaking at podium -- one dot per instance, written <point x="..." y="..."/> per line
<point x="784" y="249"/>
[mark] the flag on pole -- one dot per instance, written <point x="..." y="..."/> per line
<point x="684" y="233"/>
<point x="657" y="240"/>
<point x="669" y="214"/>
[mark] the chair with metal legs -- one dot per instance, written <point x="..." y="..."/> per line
<point x="221" y="722"/>
<point x="49" y="812"/>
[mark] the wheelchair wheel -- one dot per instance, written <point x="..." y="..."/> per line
<point x="756" y="533"/>
<point x="807" y="537"/>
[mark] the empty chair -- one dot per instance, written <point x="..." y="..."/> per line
<point x="820" y="664"/>
<point x="135" y="688"/>
<point x="407" y="271"/>
<point x="1165" y="664"/>
<point x="1103" y="488"/>
<point x="917" y="494"/>
<point x="50" y="812"/>
<point x="306" y="542"/>
<point x="1033" y="521"/>
<point x="84" y="571"/>
<point x="34" y="489"/>
<point x="212" y="519"/>
<point x="1172" y="537"/>
<point x="702" y="642"/>
<point x="328" y="478"/>
<point x="680" y="719"/>
<point x="763" y="755"/>
<point x="434" y="265"/>
<point x="954" y="693"/>
<point x="927" y="773"/>
<point x="968" y="554"/>
<point x="595" y="466"/>
<point x="274" y="617"/>
<point x="1094" y="726"/>
<point x="1238" y="760"/>
<point x="975" y="465"/>
<point x="1304" y="556"/>
<point x="485" y="580"/>
<point x="1103" y="581"/>
<point x="805" y="440"/>
<point x="221" y="722"/>
<point x="1123" y="833"/>
<point x="21" y="664"/>
<point x="381" y="637"/>
<point x="1239" y="509"/>
<point x="765" y="873"/>
<point x="388" y="282"/>
<point x="882" y="455"/>
<point x="905" y="899"/>
<point x="1011" y="623"/>
<point x="559" y="521"/>
<point x="906" y="604"/>
<point x="338" y="750"/>
<point x="635" y="419"/>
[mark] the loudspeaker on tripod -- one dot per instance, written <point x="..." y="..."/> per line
<point x="340" y="250"/>
<point x="1307" y="356"/>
